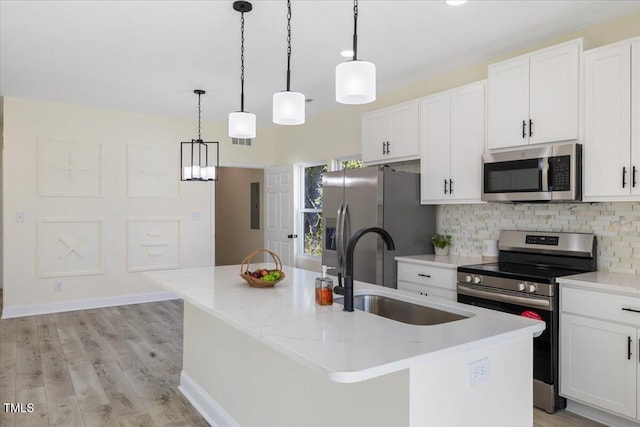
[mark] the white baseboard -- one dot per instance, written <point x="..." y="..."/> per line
<point x="204" y="403"/>
<point x="598" y="415"/>
<point x="85" y="304"/>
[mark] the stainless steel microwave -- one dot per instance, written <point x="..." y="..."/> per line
<point x="543" y="174"/>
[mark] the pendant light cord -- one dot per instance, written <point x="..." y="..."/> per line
<point x="199" y="137"/>
<point x="242" y="62"/>
<point x="288" y="45"/>
<point x="355" y="30"/>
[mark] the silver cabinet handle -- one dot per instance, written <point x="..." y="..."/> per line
<point x="423" y="275"/>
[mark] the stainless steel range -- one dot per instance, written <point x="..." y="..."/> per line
<point x="523" y="282"/>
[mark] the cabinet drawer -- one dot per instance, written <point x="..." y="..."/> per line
<point x="427" y="275"/>
<point x="427" y="291"/>
<point x="601" y="305"/>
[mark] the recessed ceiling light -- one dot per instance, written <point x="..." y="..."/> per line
<point x="348" y="53"/>
<point x="455" y="2"/>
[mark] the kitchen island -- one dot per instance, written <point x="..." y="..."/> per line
<point x="272" y="357"/>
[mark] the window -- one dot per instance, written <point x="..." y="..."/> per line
<point x="351" y="164"/>
<point x="312" y="208"/>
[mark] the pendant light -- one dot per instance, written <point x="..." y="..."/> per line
<point x="288" y="107"/>
<point x="241" y="123"/>
<point x="355" y="80"/>
<point x="199" y="160"/>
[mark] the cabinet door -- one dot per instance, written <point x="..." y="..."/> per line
<point x="508" y="103"/>
<point x="607" y="117"/>
<point x="373" y="129"/>
<point x="635" y="119"/>
<point x="434" y="161"/>
<point x="594" y="364"/>
<point x="467" y="142"/>
<point x="403" y="132"/>
<point x="553" y="94"/>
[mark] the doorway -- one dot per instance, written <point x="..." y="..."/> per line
<point x="237" y="234"/>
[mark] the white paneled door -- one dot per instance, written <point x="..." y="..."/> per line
<point x="279" y="232"/>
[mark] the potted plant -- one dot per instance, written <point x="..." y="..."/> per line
<point x="441" y="243"/>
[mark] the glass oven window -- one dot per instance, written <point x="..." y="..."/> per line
<point x="516" y="176"/>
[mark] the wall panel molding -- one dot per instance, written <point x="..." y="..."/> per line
<point x="153" y="243"/>
<point x="70" y="168"/>
<point x="70" y="247"/>
<point x="153" y="171"/>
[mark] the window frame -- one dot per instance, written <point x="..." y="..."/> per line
<point x="302" y="210"/>
<point x="333" y="164"/>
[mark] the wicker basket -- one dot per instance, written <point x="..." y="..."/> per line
<point x="258" y="283"/>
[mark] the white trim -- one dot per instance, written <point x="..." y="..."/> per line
<point x="598" y="415"/>
<point x="204" y="403"/>
<point x="85" y="304"/>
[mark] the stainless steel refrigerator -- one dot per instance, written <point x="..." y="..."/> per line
<point x="376" y="196"/>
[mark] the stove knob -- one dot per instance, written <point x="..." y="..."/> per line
<point x="468" y="278"/>
<point x="522" y="286"/>
<point x="477" y="279"/>
<point x="532" y="288"/>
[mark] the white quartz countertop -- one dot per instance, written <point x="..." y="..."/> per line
<point x="619" y="283"/>
<point x="348" y="347"/>
<point x="449" y="261"/>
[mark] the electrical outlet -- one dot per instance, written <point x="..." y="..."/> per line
<point x="195" y="216"/>
<point x="58" y="286"/>
<point x="478" y="372"/>
<point x="20" y="216"/>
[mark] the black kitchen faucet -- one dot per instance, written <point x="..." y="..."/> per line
<point x="347" y="289"/>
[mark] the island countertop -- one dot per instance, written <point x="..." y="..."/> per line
<point x="348" y="347"/>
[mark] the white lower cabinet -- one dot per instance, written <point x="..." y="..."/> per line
<point x="599" y="351"/>
<point x="427" y="280"/>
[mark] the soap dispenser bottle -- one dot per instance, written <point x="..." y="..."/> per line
<point x="324" y="288"/>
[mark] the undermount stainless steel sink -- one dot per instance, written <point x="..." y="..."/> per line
<point x="402" y="311"/>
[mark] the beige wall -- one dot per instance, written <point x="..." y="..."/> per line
<point x="25" y="123"/>
<point x="234" y="237"/>
<point x="337" y="132"/>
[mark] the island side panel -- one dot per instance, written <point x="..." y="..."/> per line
<point x="441" y="394"/>
<point x="259" y="386"/>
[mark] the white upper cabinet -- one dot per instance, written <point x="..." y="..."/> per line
<point x="452" y="139"/>
<point x="611" y="116"/>
<point x="635" y="117"/>
<point x="508" y="103"/>
<point x="533" y="99"/>
<point x="391" y="134"/>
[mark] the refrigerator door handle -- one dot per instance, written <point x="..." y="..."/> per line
<point x="339" y="238"/>
<point x="346" y="230"/>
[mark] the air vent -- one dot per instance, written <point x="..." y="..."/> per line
<point x="241" y="141"/>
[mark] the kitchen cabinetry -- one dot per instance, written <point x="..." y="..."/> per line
<point x="612" y="122"/>
<point x="599" y="349"/>
<point x="533" y="99"/>
<point x="390" y="134"/>
<point x="452" y="137"/>
<point x="431" y="275"/>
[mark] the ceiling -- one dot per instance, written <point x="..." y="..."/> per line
<point x="149" y="56"/>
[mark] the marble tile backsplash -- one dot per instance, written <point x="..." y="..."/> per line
<point x="616" y="225"/>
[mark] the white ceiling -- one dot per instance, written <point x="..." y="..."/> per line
<point x="148" y="56"/>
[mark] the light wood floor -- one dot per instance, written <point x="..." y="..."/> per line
<point x="116" y="366"/>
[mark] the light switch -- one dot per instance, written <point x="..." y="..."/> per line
<point x="19" y="216"/>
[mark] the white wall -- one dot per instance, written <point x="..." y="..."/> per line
<point x="29" y="123"/>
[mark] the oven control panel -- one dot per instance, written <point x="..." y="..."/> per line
<point x="507" y="284"/>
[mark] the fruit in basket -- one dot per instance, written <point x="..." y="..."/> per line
<point x="264" y="272"/>
<point x="276" y="274"/>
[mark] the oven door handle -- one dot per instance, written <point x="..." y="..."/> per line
<point x="543" y="304"/>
